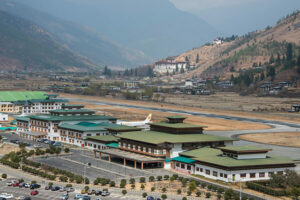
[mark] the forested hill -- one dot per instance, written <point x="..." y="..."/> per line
<point x="272" y="54"/>
<point x="26" y="46"/>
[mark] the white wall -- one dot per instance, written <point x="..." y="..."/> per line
<point x="236" y="173"/>
<point x="252" y="156"/>
<point x="177" y="148"/>
<point x="3" y="117"/>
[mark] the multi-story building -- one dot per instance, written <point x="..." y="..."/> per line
<point x="26" y="103"/>
<point x="168" y="66"/>
<point x="231" y="164"/>
<point x="48" y="125"/>
<point x="163" y="140"/>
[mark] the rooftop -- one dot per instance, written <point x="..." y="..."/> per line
<point x="176" y="117"/>
<point x="72" y="106"/>
<point x="8" y="96"/>
<point x="155" y="137"/>
<point x="80" y="128"/>
<point x="26" y="119"/>
<point x="248" y="149"/>
<point x="61" y="111"/>
<point x="103" y="138"/>
<point x="216" y="157"/>
<point x="71" y="118"/>
<point x="177" y="125"/>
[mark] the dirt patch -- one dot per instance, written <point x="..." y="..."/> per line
<point x="290" y="139"/>
<point x="7" y="148"/>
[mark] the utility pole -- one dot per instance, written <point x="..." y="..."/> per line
<point x="240" y="188"/>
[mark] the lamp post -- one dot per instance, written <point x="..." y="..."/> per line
<point x="240" y="188"/>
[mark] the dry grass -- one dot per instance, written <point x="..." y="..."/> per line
<point x="291" y="139"/>
<point x="7" y="148"/>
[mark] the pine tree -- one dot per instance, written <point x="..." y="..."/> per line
<point x="278" y="60"/>
<point x="271" y="61"/>
<point x="182" y="70"/>
<point x="197" y="58"/>
<point x="289" y="52"/>
<point x="186" y="59"/>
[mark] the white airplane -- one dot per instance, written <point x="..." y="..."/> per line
<point x="137" y="123"/>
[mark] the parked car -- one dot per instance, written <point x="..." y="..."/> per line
<point x="51" y="142"/>
<point x="37" y="146"/>
<point x="2" y="198"/>
<point x="46" y="141"/>
<point x="27" y="198"/>
<point x="57" y="144"/>
<point x="14" y="141"/>
<point x="86" y="197"/>
<point x="28" y="144"/>
<point x="27" y="185"/>
<point x="64" y="197"/>
<point x="34" y="192"/>
<point x="62" y="189"/>
<point x="10" y="183"/>
<point x="48" y="187"/>
<point x="150" y="198"/>
<point x="55" y="188"/>
<point x="35" y="186"/>
<point x="70" y="189"/>
<point x="20" y="198"/>
<point x="99" y="192"/>
<point x="16" y="184"/>
<point x="22" y="184"/>
<point x="6" y="196"/>
<point x="78" y="196"/>
<point x="105" y="193"/>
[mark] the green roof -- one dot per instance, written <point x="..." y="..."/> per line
<point x="73" y="106"/>
<point x="71" y="118"/>
<point x="76" y="127"/>
<point x="72" y="111"/>
<point x="122" y="128"/>
<point x="87" y="124"/>
<point x="216" y="157"/>
<point x="26" y="119"/>
<point x="168" y="160"/>
<point x="104" y="138"/>
<point x="244" y="148"/>
<point x="177" y="125"/>
<point x="21" y="95"/>
<point x="176" y="117"/>
<point x="155" y="137"/>
<point x="8" y="128"/>
<point x="113" y="145"/>
<point x="183" y="159"/>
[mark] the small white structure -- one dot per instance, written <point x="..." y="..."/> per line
<point x="217" y="41"/>
<point x="3" y="117"/>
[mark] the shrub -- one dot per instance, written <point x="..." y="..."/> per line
<point x="219" y="196"/>
<point x="144" y="194"/>
<point x="209" y="187"/>
<point x="86" y="180"/>
<point x="142" y="180"/>
<point x="112" y="184"/>
<point x="203" y="185"/>
<point x="33" y="182"/>
<point x="86" y="188"/>
<point x="244" y="198"/>
<point x="198" y="193"/>
<point x="175" y="176"/>
<point x="50" y="183"/>
<point x="132" y="186"/>
<point x="264" y="189"/>
<point x="220" y="190"/>
<point x="172" y="178"/>
<point x="164" y="190"/>
<point x="159" y="178"/>
<point x="184" y="198"/>
<point x="122" y="184"/>
<point x="208" y="195"/>
<point x="164" y="196"/>
<point x="124" y="192"/>
<point x="152" y="189"/>
<point x="68" y="185"/>
<point x="66" y="150"/>
<point x="4" y="175"/>
<point x="63" y="179"/>
<point x="21" y="180"/>
<point x="166" y="177"/>
<point x="189" y="193"/>
<point x="142" y="186"/>
<point x="192" y="186"/>
<point x="179" y="191"/>
<point x="132" y="181"/>
<point x="151" y="178"/>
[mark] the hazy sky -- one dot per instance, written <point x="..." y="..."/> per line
<point x="239" y="16"/>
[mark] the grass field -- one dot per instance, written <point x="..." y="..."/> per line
<point x="291" y="139"/>
<point x="20" y="95"/>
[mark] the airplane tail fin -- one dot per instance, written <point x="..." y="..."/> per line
<point x="149" y="118"/>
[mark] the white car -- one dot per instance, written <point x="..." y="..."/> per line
<point x="20" y="198"/>
<point x="27" y="185"/>
<point x="37" y="146"/>
<point x="6" y="196"/>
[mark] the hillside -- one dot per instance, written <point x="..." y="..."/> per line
<point x="80" y="39"/>
<point x="155" y="27"/>
<point x="26" y="46"/>
<point x="262" y="49"/>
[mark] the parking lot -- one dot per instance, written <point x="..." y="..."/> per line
<point x="51" y="195"/>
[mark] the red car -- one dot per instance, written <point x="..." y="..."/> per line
<point x="34" y="192"/>
<point x="16" y="184"/>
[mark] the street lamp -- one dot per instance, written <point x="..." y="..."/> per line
<point x="84" y="170"/>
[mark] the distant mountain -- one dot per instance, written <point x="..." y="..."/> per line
<point x="26" y="46"/>
<point x="81" y="39"/>
<point x="155" y="27"/>
<point x="272" y="53"/>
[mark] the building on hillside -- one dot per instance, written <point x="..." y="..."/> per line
<point x="163" y="140"/>
<point x="131" y="84"/>
<point x="47" y="125"/>
<point x="168" y="66"/>
<point x="231" y="164"/>
<point x="295" y="108"/>
<point x="3" y="117"/>
<point x="217" y="41"/>
<point x="26" y="103"/>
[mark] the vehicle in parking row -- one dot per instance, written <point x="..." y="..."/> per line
<point x="6" y="196"/>
<point x="55" y="188"/>
<point x="35" y="186"/>
<point x="34" y="192"/>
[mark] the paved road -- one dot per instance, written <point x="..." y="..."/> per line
<point x="277" y="126"/>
